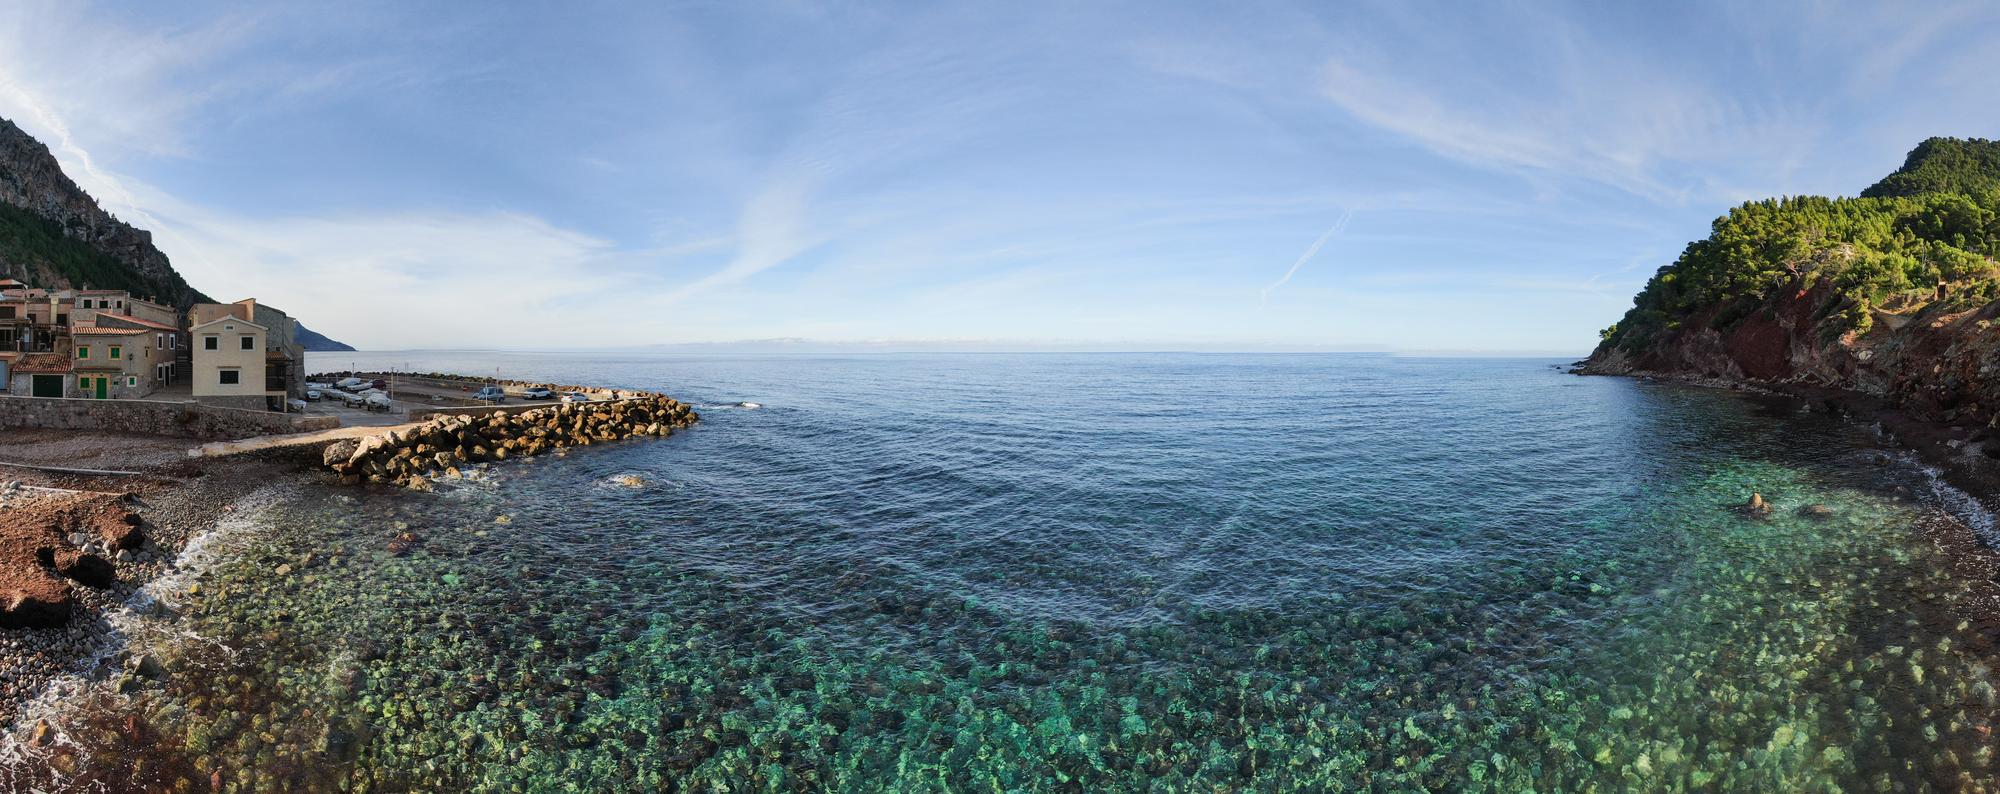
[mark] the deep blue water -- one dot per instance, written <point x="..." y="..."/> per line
<point x="1107" y="572"/>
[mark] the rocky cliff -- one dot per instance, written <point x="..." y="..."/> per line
<point x="54" y="234"/>
<point x="1891" y="295"/>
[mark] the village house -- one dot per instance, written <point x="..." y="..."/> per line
<point x="246" y="355"/>
<point x="103" y="344"/>
<point x="122" y="357"/>
<point x="34" y="340"/>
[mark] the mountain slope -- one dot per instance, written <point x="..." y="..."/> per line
<point x="1890" y="294"/>
<point x="1943" y="165"/>
<point x="53" y="234"/>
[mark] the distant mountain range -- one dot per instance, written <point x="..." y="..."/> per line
<point x="53" y="234"/>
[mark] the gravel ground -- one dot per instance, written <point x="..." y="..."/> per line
<point x="179" y="499"/>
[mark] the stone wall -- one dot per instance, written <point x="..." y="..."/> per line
<point x="153" y="417"/>
<point x="412" y="456"/>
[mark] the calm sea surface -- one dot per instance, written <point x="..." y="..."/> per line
<point x="1093" y="572"/>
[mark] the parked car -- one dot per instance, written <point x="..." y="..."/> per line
<point x="379" y="383"/>
<point x="351" y="384"/>
<point x="538" y="393"/>
<point x="296" y="406"/>
<point x="492" y="394"/>
<point x="313" y="395"/>
<point x="575" y="397"/>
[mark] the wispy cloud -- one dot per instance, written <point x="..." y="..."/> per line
<point x="1338" y="225"/>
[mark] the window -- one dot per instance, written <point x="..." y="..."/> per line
<point x="249" y="343"/>
<point x="6" y="312"/>
<point x="131" y="380"/>
<point x="117" y="352"/>
<point x="229" y="377"/>
<point x="211" y="343"/>
<point x="83" y="351"/>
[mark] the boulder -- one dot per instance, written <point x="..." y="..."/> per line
<point x="36" y="605"/>
<point x="88" y="570"/>
<point x="1816" y="511"/>
<point x="339" y="452"/>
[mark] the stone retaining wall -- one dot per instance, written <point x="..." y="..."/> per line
<point x="436" y="448"/>
<point x="153" y="417"/>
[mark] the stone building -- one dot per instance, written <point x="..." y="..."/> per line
<point x="246" y="355"/>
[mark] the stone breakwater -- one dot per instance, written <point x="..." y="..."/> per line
<point x="412" y="457"/>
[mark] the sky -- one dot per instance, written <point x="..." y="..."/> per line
<point x="1412" y="176"/>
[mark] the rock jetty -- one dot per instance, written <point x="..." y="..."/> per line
<point x="412" y="457"/>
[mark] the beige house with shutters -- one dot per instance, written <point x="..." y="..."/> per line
<point x="230" y="364"/>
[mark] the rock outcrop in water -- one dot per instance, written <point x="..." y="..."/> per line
<point x="413" y="457"/>
<point x="1893" y="296"/>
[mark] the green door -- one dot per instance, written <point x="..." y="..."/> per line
<point x="103" y="387"/>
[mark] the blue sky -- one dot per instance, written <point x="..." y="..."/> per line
<point x="1410" y="176"/>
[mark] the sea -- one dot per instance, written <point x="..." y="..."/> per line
<point x="1089" y="572"/>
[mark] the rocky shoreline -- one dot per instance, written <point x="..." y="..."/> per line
<point x="124" y="545"/>
<point x="1964" y="449"/>
<point x="90" y="544"/>
<point x="1960" y="457"/>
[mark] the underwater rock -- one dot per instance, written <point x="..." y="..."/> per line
<point x="1818" y="511"/>
<point x="41" y="735"/>
<point x="1756" y="507"/>
<point x="630" y="480"/>
<point x="146" y="665"/>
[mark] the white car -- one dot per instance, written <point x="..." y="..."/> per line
<point x="313" y="395"/>
<point x="351" y="384"/>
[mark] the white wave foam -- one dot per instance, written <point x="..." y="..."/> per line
<point x="1961" y="505"/>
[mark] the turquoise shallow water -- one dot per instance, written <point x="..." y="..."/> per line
<point x="1133" y="572"/>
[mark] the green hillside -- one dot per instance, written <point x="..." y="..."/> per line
<point x="29" y="242"/>
<point x="1944" y="165"/>
<point x="1902" y="245"/>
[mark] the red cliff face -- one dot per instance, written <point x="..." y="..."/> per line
<point x="1939" y="362"/>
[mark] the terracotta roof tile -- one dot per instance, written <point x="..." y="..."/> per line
<point x="99" y="330"/>
<point x="42" y="363"/>
<point x="139" y="321"/>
